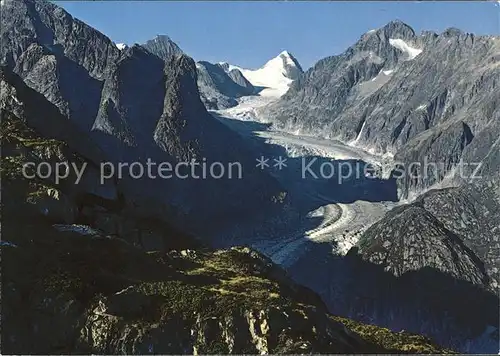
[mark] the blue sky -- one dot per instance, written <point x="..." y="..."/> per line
<point x="250" y="33"/>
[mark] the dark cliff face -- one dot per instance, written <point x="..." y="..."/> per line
<point x="219" y="88"/>
<point x="455" y="230"/>
<point x="28" y="22"/>
<point x="407" y="94"/>
<point x="238" y="78"/>
<point x="22" y="106"/>
<point x="135" y="105"/>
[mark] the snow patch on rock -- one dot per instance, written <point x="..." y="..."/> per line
<point x="411" y="52"/>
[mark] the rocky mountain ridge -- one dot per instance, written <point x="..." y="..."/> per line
<point x="217" y="81"/>
<point x="163" y="47"/>
<point x="412" y="96"/>
<point x="427" y="100"/>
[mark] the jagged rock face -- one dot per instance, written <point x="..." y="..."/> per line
<point x="33" y="131"/>
<point x="426" y="98"/>
<point x="87" y="289"/>
<point x="446" y="244"/>
<point x="238" y="78"/>
<point x="163" y="47"/>
<point x="473" y="213"/>
<point x="220" y="89"/>
<point x="410" y="95"/>
<point x="327" y="85"/>
<point x="135" y="105"/>
<point x="411" y="238"/>
<point x="101" y="295"/>
<point x="125" y="112"/>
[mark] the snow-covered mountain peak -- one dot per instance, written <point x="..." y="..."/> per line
<point x="162" y="37"/>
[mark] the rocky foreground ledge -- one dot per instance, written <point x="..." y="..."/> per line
<point x="68" y="293"/>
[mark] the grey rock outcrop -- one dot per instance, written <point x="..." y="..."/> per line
<point x="454" y="230"/>
<point x="292" y="68"/>
<point x="163" y="47"/>
<point x="134" y="105"/>
<point x="55" y="30"/>
<point x="219" y="87"/>
<point x="56" y="206"/>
